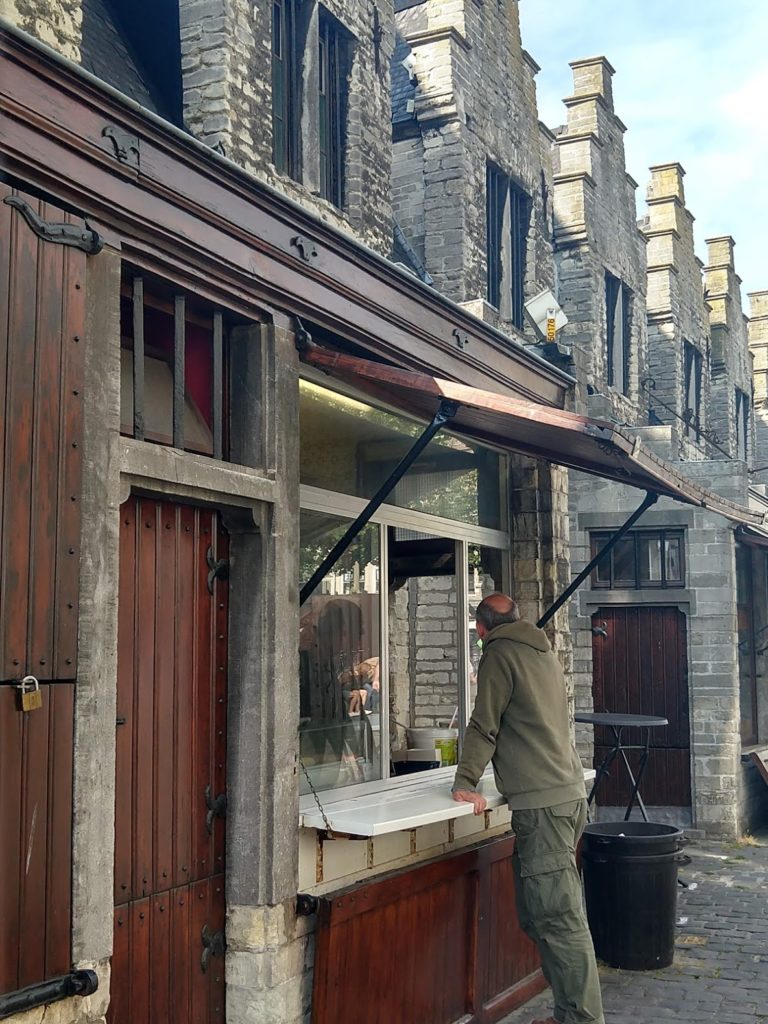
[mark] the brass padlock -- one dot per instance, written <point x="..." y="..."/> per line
<point x="31" y="694"/>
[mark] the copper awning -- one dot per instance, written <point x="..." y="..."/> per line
<point x="578" y="442"/>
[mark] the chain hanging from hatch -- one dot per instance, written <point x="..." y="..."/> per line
<point x="320" y="807"/>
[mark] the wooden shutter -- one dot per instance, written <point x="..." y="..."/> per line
<point x="42" y="319"/>
<point x="35" y="837"/>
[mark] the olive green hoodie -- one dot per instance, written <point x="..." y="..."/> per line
<point x="520" y="722"/>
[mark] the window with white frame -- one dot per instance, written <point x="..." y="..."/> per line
<point x="387" y="645"/>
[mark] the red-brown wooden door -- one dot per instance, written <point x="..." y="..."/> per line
<point x="168" y="964"/>
<point x="641" y="668"/>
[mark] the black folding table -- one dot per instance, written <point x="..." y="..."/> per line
<point x="617" y="724"/>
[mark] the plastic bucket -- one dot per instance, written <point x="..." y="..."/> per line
<point x="445" y="742"/>
<point x="630" y="887"/>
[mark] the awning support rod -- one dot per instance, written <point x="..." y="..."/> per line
<point x="445" y="413"/>
<point x="650" y="498"/>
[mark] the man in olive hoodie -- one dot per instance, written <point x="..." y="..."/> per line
<point x="520" y="722"/>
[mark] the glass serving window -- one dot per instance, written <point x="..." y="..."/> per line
<point x="350" y="447"/>
<point x="643" y="558"/>
<point x="339" y="658"/>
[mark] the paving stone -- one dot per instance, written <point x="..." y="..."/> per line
<point x="720" y="969"/>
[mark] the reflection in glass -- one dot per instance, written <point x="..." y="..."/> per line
<point x="649" y="557"/>
<point x="339" y="650"/>
<point x="674" y="568"/>
<point x="349" y="446"/>
<point x="485" y="576"/>
<point x="624" y="561"/>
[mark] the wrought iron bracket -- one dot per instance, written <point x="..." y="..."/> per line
<point x="307" y="249"/>
<point x="445" y="412"/>
<point x="126" y="146"/>
<point x="650" y="499"/>
<point x="217" y="570"/>
<point x="214" y="944"/>
<point x="62" y="234"/>
<point x="217" y="808"/>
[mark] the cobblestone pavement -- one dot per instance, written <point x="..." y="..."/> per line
<point x="720" y="968"/>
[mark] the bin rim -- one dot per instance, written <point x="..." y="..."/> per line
<point x="636" y="832"/>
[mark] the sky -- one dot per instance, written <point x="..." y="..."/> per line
<point x="691" y="85"/>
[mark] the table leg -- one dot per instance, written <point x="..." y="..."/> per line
<point x="635" y="795"/>
<point x="603" y="770"/>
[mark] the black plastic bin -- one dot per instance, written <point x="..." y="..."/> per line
<point x="630" y="885"/>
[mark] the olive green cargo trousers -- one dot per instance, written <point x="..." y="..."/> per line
<point x="550" y="908"/>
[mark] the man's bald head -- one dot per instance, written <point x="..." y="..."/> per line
<point x="495" y="610"/>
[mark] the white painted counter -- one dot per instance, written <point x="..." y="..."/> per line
<point x="404" y="805"/>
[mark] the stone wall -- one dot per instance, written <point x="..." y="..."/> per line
<point x="731" y="362"/>
<point x="757" y="328"/>
<point x="676" y="308"/>
<point x="474" y="100"/>
<point x="55" y="22"/>
<point x="227" y="72"/>
<point x="595" y="221"/>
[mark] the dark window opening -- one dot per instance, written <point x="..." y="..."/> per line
<point x="745" y="615"/>
<point x="742" y="424"/>
<point x="173" y="379"/>
<point x="519" y="219"/>
<point x="692" y="368"/>
<point x="618" y="311"/>
<point x="145" y="65"/>
<point x="495" y="201"/>
<point x="285" y="88"/>
<point x="506" y="253"/>
<point x="641" y="559"/>
<point x="332" y="106"/>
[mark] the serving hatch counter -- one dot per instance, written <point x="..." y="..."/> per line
<point x="400" y="804"/>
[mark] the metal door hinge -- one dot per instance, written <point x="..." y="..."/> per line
<point x="218" y="570"/>
<point x="217" y="808"/>
<point x="214" y="944"/>
<point x="63" y="234"/>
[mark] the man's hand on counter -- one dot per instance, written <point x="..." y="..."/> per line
<point x="466" y="796"/>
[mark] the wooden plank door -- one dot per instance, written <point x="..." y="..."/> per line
<point x="42" y="367"/>
<point x="35" y="836"/>
<point x="641" y="668"/>
<point x="168" y="963"/>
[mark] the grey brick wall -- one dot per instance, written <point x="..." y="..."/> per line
<point x="474" y="101"/>
<point x="56" y="22"/>
<point x="731" y="362"/>
<point x="226" y="62"/>
<point x="595" y="223"/>
<point x="757" y="329"/>
<point x="676" y="307"/>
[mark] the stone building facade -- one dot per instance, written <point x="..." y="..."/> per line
<point x="440" y="106"/>
<point x="687" y="368"/>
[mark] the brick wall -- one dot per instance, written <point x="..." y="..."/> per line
<point x="226" y="62"/>
<point x="55" y="22"/>
<point x="474" y="100"/>
<point x="676" y="307"/>
<point x="731" y="362"/>
<point x="595" y="222"/>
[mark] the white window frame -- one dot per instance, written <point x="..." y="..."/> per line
<point x="347" y="506"/>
